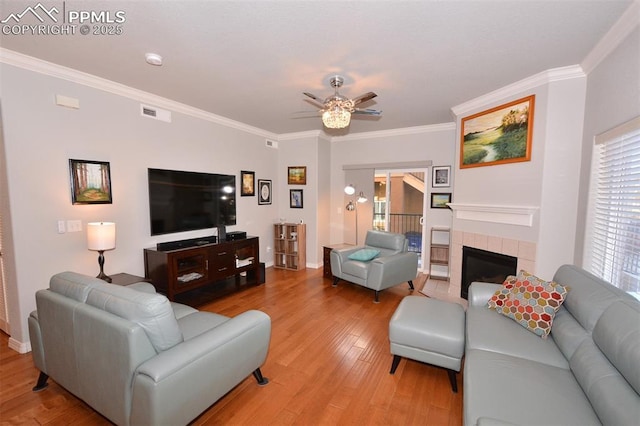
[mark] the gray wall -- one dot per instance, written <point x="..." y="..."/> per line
<point x="613" y="97"/>
<point x="39" y="140"/>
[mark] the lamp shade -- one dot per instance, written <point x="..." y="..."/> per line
<point x="349" y="190"/>
<point x="101" y="236"/>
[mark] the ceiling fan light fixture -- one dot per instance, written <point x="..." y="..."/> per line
<point x="336" y="118"/>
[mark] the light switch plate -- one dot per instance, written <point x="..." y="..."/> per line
<point x="74" y="226"/>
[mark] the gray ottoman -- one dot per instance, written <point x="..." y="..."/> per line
<point x="430" y="331"/>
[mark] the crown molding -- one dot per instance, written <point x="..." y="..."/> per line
<point x="20" y="60"/>
<point x="516" y="89"/>
<point x="396" y="132"/>
<point x="628" y="22"/>
<point x="302" y="135"/>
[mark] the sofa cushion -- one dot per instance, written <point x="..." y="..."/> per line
<point x="386" y="240"/>
<point x="197" y="323"/>
<point x="589" y="295"/>
<point x="617" y="334"/>
<point x="73" y="285"/>
<point x="530" y="301"/>
<point x="522" y="392"/>
<point x="364" y="255"/>
<point x="153" y="312"/>
<point x="490" y="331"/>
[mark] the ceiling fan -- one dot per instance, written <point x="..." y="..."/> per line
<point x="337" y="109"/>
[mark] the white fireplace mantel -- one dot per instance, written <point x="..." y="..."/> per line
<point x="509" y="215"/>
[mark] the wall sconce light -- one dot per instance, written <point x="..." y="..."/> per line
<point x="101" y="236"/>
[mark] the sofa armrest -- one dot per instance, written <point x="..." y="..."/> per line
<point x="388" y="271"/>
<point x="480" y="293"/>
<point x="489" y="421"/>
<point x="341" y="255"/>
<point x="178" y="384"/>
<point x="143" y="286"/>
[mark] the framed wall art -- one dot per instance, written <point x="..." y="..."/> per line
<point x="295" y="198"/>
<point x="90" y="182"/>
<point x="439" y="200"/>
<point x="248" y="181"/>
<point x="499" y="135"/>
<point x="264" y="191"/>
<point x="297" y="175"/>
<point x="441" y="176"/>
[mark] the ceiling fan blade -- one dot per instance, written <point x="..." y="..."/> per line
<point x="367" y="111"/>
<point x="314" y="97"/>
<point x="305" y="114"/>
<point x="315" y="104"/>
<point x="364" y="98"/>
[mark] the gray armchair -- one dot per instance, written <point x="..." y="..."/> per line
<point x="391" y="266"/>
<point x="137" y="358"/>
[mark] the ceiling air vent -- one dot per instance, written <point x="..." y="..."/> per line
<point x="155" y="113"/>
<point x="271" y="144"/>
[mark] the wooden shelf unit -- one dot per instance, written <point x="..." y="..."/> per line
<point x="290" y="246"/>
<point x="439" y="253"/>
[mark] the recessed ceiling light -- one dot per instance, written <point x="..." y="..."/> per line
<point x="153" y="59"/>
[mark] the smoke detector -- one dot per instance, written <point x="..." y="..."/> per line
<point x="153" y="59"/>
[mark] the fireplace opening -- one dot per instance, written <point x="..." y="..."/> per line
<point x="486" y="266"/>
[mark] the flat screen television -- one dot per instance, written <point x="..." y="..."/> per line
<point x="186" y="201"/>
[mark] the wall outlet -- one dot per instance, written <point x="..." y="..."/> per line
<point x="61" y="227"/>
<point x="268" y="249"/>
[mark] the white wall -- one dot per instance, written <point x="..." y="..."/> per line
<point x="302" y="151"/>
<point x="548" y="183"/>
<point x="41" y="137"/>
<point x="612" y="98"/>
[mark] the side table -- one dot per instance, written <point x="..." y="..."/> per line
<point x="326" y="271"/>
<point x="127" y="279"/>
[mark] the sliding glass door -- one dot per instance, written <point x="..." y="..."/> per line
<point x="399" y="205"/>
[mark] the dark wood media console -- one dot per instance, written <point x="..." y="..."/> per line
<point x="194" y="274"/>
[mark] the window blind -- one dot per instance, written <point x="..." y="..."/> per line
<point x="612" y="251"/>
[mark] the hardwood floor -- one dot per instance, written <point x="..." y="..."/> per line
<point x="328" y="364"/>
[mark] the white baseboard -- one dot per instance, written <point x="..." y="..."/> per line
<point x="21" y="348"/>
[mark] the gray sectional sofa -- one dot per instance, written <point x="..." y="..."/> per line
<point x="137" y="358"/>
<point x="587" y="372"/>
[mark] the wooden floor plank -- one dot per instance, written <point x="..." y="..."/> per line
<point x="328" y="364"/>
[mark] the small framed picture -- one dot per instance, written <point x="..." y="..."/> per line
<point x="295" y="198"/>
<point x="297" y="175"/>
<point x="264" y="191"/>
<point x="248" y="180"/>
<point x="90" y="182"/>
<point x="439" y="200"/>
<point x="441" y="176"/>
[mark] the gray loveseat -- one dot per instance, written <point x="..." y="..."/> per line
<point x="137" y="358"/>
<point x="391" y="266"/>
<point x="587" y="372"/>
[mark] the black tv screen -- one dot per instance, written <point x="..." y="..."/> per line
<point x="186" y="201"/>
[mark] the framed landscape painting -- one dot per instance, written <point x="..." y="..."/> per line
<point x="440" y="200"/>
<point x="90" y="182"/>
<point x="297" y="175"/>
<point x="498" y="136"/>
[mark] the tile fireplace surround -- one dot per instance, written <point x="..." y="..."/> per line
<point x="524" y="251"/>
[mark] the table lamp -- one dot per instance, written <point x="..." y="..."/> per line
<point x="101" y="236"/>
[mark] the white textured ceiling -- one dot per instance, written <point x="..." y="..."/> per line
<point x="250" y="61"/>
